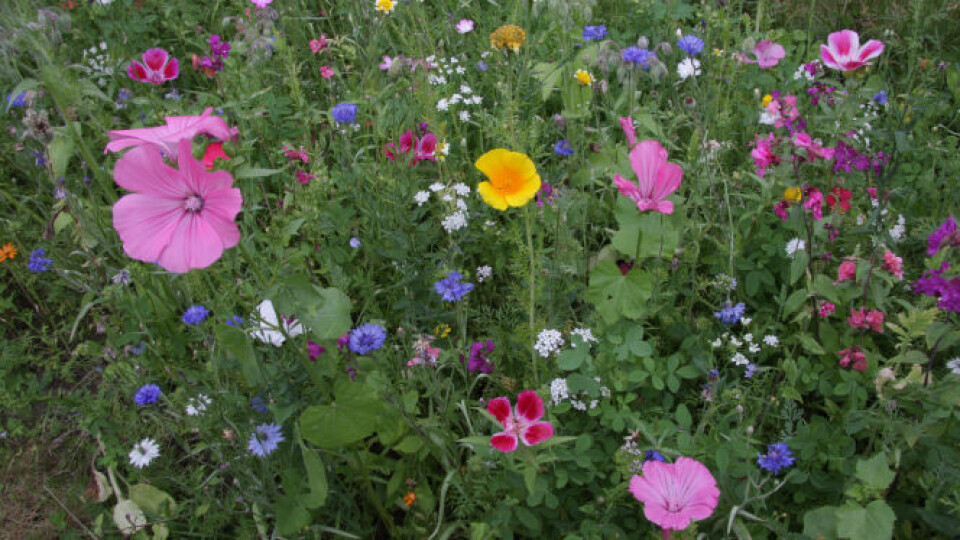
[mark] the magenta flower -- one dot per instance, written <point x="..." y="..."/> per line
<point x="767" y="53"/>
<point x="657" y="178"/>
<point x="157" y="67"/>
<point x="180" y="219"/>
<point x="763" y="154"/>
<point x="843" y="51"/>
<point x="945" y="235"/>
<point x="261" y="3"/>
<point x="317" y="45"/>
<point x="424" y="148"/>
<point x="626" y="124"/>
<point x="520" y="423"/>
<point x="168" y="137"/>
<point x="675" y="494"/>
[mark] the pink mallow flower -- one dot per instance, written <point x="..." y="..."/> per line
<point x="626" y="123"/>
<point x="657" y="178"/>
<point x="520" y="423"/>
<point x="843" y="51"/>
<point x="847" y="271"/>
<point x="317" y="45"/>
<point x="675" y="494"/>
<point x="767" y="53"/>
<point x="168" y="137"/>
<point x="853" y="358"/>
<point x="157" y="67"/>
<point x="180" y="219"/>
<point x="893" y="264"/>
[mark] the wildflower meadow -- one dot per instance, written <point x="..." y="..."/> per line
<point x="477" y="269"/>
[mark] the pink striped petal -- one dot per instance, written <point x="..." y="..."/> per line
<point x="500" y="409"/>
<point x="145" y="224"/>
<point x="155" y="59"/>
<point x="668" y="180"/>
<point x="828" y="59"/>
<point x="646" y="159"/>
<point x="143" y="170"/>
<point x="844" y="43"/>
<point x="194" y="244"/>
<point x="627" y="125"/>
<point x="529" y="406"/>
<point x="628" y="188"/>
<point x="504" y="442"/>
<point x="872" y="49"/>
<point x="537" y="433"/>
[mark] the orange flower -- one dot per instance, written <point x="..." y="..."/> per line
<point x="8" y="252"/>
<point x="508" y="36"/>
<point x="513" y="178"/>
<point x="410" y="498"/>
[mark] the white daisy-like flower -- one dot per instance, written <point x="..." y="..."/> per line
<point x="688" y="67"/>
<point x="740" y="360"/>
<point x="484" y="272"/>
<point x="270" y="328"/>
<point x="771" y="340"/>
<point x="456" y="98"/>
<point x="422" y="197"/>
<point x="144" y="452"/>
<point x="795" y="245"/>
<point x="954" y="366"/>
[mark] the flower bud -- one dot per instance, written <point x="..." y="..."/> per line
<point x="749" y="431"/>
<point x="643" y="42"/>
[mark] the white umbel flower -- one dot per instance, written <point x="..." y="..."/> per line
<point x="954" y="366"/>
<point x="795" y="245"/>
<point x="144" y="452"/>
<point x="548" y="342"/>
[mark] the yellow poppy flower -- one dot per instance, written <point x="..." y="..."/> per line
<point x="513" y="178"/>
<point x="793" y="194"/>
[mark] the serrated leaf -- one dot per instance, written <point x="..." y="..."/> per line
<point x="617" y="295"/>
<point x="810" y="345"/>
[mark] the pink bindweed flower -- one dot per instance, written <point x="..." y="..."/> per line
<point x="182" y="219"/>
<point x="827" y="309"/>
<point x="657" y="178"/>
<point x="213" y="152"/>
<point x="853" y="356"/>
<point x="847" y="271"/>
<point x="317" y="45"/>
<point x="157" y="67"/>
<point x="893" y="264"/>
<point x="326" y="72"/>
<point x="675" y="494"/>
<point x="464" y="26"/>
<point x="627" y="125"/>
<point x="763" y="155"/>
<point x="843" y="51"/>
<point x="520" y="423"/>
<point x="767" y="53"/>
<point x="168" y="137"/>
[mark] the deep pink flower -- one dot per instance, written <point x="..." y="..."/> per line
<point x="763" y="154"/>
<point x="180" y="219"/>
<point x="317" y="45"/>
<point x="861" y="318"/>
<point x="813" y="201"/>
<point x="874" y="320"/>
<point x="304" y="177"/>
<point x="814" y="148"/>
<point x="326" y="72"/>
<point x="767" y="53"/>
<point x="827" y="309"/>
<point x="157" y="67"/>
<point x="854" y="356"/>
<point x="780" y="209"/>
<point x="261" y="3"/>
<point x="675" y="494"/>
<point x="213" y="152"/>
<point x="945" y="235"/>
<point x="847" y="271"/>
<point x="423" y="148"/>
<point x="626" y="124"/>
<point x="520" y="423"/>
<point x="657" y="178"/>
<point x="843" y="51"/>
<point x="314" y="350"/>
<point x="168" y="137"/>
<point x="893" y="264"/>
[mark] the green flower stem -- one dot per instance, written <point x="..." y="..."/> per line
<point x="532" y="307"/>
<point x="372" y="494"/>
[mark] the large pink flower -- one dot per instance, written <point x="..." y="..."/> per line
<point x="520" y="423"/>
<point x="180" y="219"/>
<point x="168" y="137"/>
<point x="844" y="52"/>
<point x="157" y="67"/>
<point x="657" y="178"/>
<point x="768" y="54"/>
<point x="674" y="494"/>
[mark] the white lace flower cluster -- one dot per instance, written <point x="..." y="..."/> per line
<point x="745" y="347"/>
<point x="560" y="392"/>
<point x="196" y="406"/>
<point x="98" y="64"/>
<point x="453" y="198"/>
<point x="549" y="342"/>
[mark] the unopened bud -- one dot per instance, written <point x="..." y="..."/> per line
<point x="749" y="431"/>
<point x="643" y="42"/>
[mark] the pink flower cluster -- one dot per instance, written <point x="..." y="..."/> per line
<point x="847" y="271"/>
<point x="853" y="358"/>
<point x="424" y="148"/>
<point x="863" y="318"/>
<point x="893" y="264"/>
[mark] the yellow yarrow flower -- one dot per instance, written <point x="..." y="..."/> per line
<point x="385" y="6"/>
<point x="8" y="251"/>
<point x="766" y="101"/>
<point x="583" y="77"/>
<point x="442" y="330"/>
<point x="793" y="194"/>
<point x="508" y="36"/>
<point x="513" y="178"/>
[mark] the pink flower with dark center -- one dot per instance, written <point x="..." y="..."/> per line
<point x="893" y="264"/>
<point x="767" y="53"/>
<point x="180" y="219"/>
<point x="675" y="494"/>
<point x="520" y="423"/>
<point x="847" y="271"/>
<point x="167" y="138"/>
<point x="657" y="178"/>
<point x="843" y="51"/>
<point x="157" y="67"/>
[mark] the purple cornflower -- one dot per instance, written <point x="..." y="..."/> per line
<point x="637" y="56"/>
<point x="563" y="148"/>
<point x="235" y="321"/>
<point x="880" y="97"/>
<point x="265" y="439"/>
<point x="477" y="360"/>
<point x="778" y="457"/>
<point x="594" y="32"/>
<point x="344" y="113"/>
<point x="19" y="100"/>
<point x="482" y="66"/>
<point x="147" y="394"/>
<point x="731" y="314"/>
<point x="367" y="338"/>
<point x="751" y="371"/>
<point x="355" y="243"/>
<point x="195" y="315"/>
<point x="692" y="45"/>
<point x="653" y="455"/>
<point x="945" y="235"/>
<point x="451" y="289"/>
<point x="37" y="262"/>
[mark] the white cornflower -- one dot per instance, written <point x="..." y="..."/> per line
<point x="198" y="405"/>
<point x="144" y="452"/>
<point x="421" y="197"/>
<point x="740" y="360"/>
<point x="954" y="366"/>
<point x="464" y="116"/>
<point x="771" y="340"/>
<point x="559" y="391"/>
<point x="795" y="245"/>
<point x="585" y="334"/>
<point x="436" y="186"/>
<point x="461" y="189"/>
<point x="689" y="67"/>
<point x="484" y="272"/>
<point x="549" y="342"/>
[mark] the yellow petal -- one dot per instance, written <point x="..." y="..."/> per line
<point x="491" y="196"/>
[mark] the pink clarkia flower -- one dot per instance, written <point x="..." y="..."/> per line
<point x="657" y="178"/>
<point x="767" y="53"/>
<point x="861" y="318"/>
<point x="423" y="148"/>
<point x="827" y="309"/>
<point x="780" y="209"/>
<point x="675" y="494"/>
<point x="387" y="62"/>
<point x="893" y="264"/>
<point x="813" y="201"/>
<point x="854" y="356"/>
<point x="326" y="72"/>
<point x="157" y="67"/>
<point x="168" y="137"/>
<point x="846" y="272"/>
<point x="464" y="26"/>
<point x="627" y="125"/>
<point x="261" y="3"/>
<point x="520" y="423"/>
<point x="317" y="45"/>
<point x="304" y="177"/>
<point x="763" y="155"/>
<point x="213" y="152"/>
<point x="843" y="51"/>
<point x="182" y="219"/>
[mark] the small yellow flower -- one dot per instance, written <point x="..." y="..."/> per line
<point x="442" y="330"/>
<point x="385" y="6"/>
<point x="508" y="36"/>
<point x="513" y="178"/>
<point x="766" y="101"/>
<point x="793" y="194"/>
<point x="583" y="77"/>
<point x="8" y="251"/>
<point x="718" y="52"/>
<point x="442" y="151"/>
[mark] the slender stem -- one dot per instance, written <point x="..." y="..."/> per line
<point x="532" y="307"/>
<point x="377" y="503"/>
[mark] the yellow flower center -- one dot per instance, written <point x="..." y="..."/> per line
<point x="583" y="77"/>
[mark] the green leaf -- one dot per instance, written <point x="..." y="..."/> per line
<point x="316" y="478"/>
<point x="351" y="418"/>
<point x="617" y="295"/>
<point x="549" y="76"/>
<point x="249" y="172"/>
<point x="794" y="301"/>
<point x="909" y="357"/>
<point x="659" y="234"/>
<point x="571" y="359"/>
<point x="291" y="515"/>
<point x="152" y="499"/>
<point x="875" y="522"/>
<point x="810" y="345"/>
<point x="821" y="523"/>
<point x="61" y="149"/>
<point x="528" y="518"/>
<point x="875" y="472"/>
<point x="799" y="265"/>
<point x="237" y="346"/>
<point x="683" y="416"/>
<point x="128" y="517"/>
<point x="326" y="312"/>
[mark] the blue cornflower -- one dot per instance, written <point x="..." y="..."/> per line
<point x="563" y="148"/>
<point x="195" y="314"/>
<point x="731" y="314"/>
<point x="637" y="56"/>
<point x="344" y="113"/>
<point x="19" y="100"/>
<point x="147" y="394"/>
<point x="778" y="457"/>
<point x="235" y="321"/>
<point x="482" y="66"/>
<point x="594" y="32"/>
<point x="37" y="262"/>
<point x="39" y="158"/>
<point x="751" y="371"/>
<point x="653" y="455"/>
<point x="124" y="94"/>
<point x="691" y="45"/>
<point x="265" y="439"/>
<point x="881" y="97"/>
<point x="451" y="289"/>
<point x="355" y="243"/>
<point x="714" y="374"/>
<point x="367" y="338"/>
<point x="257" y="404"/>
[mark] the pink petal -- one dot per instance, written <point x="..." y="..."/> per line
<point x="143" y="170"/>
<point x="627" y="125"/>
<point x="664" y="207"/>
<point x="145" y="224"/>
<point x="136" y="71"/>
<point x="872" y="49"/>
<point x="537" y="433"/>
<point x="427" y="146"/>
<point x="194" y="244"/>
<point x="529" y="406"/>
<point x="668" y="180"/>
<point x="844" y="43"/>
<point x="504" y="442"/>
<point x="645" y="489"/>
<point x="628" y="188"/>
<point x="213" y="152"/>
<point x="171" y="70"/>
<point x="828" y="59"/>
<point x="196" y="176"/>
<point x="699" y="489"/>
<point x="388" y="150"/>
<point x="647" y="158"/>
<point x="500" y="409"/>
<point x="407" y="141"/>
<point x="220" y="209"/>
<point x="155" y="59"/>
